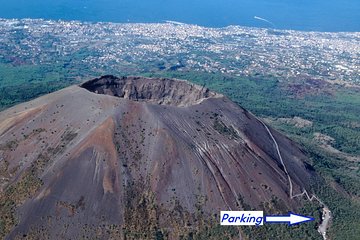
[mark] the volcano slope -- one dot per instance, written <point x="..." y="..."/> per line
<point x="137" y="158"/>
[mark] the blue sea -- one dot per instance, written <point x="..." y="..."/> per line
<point x="307" y="15"/>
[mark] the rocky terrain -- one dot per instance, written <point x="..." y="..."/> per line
<point x="138" y="158"/>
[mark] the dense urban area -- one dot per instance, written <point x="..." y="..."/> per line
<point x="235" y="50"/>
<point x="304" y="84"/>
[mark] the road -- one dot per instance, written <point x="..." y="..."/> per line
<point x="325" y="222"/>
<point x="326" y="211"/>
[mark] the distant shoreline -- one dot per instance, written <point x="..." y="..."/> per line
<point x="313" y="16"/>
<point x="178" y="24"/>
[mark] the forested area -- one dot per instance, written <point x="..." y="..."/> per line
<point x="335" y="114"/>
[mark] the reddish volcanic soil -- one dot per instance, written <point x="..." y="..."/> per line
<point x="125" y="157"/>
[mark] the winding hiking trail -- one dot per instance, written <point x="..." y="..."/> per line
<point x="326" y="211"/>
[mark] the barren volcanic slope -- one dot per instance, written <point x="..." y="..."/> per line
<point x="136" y="158"/>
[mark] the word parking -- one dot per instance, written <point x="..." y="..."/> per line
<point x="237" y="218"/>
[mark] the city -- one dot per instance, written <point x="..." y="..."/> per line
<point x="235" y="50"/>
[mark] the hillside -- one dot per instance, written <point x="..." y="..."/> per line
<point x="135" y="157"/>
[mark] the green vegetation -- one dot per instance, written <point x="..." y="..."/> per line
<point x="223" y="129"/>
<point x="283" y="231"/>
<point x="22" y="83"/>
<point x="15" y="195"/>
<point x="334" y="113"/>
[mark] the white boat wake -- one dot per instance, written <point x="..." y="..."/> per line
<point x="264" y="20"/>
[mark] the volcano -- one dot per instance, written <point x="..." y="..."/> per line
<point x="138" y="158"/>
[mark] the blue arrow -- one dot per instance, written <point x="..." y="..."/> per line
<point x="291" y="219"/>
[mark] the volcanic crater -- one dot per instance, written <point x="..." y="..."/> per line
<point x="134" y="157"/>
<point x="160" y="91"/>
